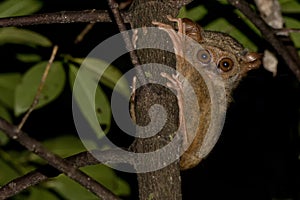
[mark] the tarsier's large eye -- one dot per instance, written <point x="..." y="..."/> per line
<point x="204" y="56"/>
<point x="226" y="64"/>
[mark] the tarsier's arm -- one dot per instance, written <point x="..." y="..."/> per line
<point x="225" y="59"/>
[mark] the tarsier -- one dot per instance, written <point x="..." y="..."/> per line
<point x="231" y="62"/>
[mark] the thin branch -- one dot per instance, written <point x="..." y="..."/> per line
<point x="286" y="31"/>
<point x="114" y="6"/>
<point x="83" y="33"/>
<point x="47" y="171"/>
<point x="55" y="161"/>
<point x="291" y="59"/>
<point x="32" y="178"/>
<point x="40" y="88"/>
<point x="62" y="17"/>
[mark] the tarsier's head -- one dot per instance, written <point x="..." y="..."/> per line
<point x="231" y="60"/>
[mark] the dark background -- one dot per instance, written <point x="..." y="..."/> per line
<point x="256" y="156"/>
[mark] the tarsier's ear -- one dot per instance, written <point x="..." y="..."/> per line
<point x="193" y="29"/>
<point x="252" y="61"/>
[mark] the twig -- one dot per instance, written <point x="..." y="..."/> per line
<point x="62" y="17"/>
<point x="286" y="31"/>
<point x="291" y="59"/>
<point x="43" y="173"/>
<point x="81" y="35"/>
<point x="55" y="161"/>
<point x="114" y="7"/>
<point x="40" y="88"/>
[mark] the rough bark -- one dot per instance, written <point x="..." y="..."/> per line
<point x="164" y="183"/>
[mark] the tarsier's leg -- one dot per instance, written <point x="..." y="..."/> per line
<point x="175" y="37"/>
<point x="174" y="81"/>
<point x="177" y="85"/>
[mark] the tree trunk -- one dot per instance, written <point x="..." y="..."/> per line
<point x="164" y="183"/>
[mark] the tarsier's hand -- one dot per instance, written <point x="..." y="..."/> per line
<point x="225" y="58"/>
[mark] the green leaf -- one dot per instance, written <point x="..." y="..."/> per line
<point x="247" y="21"/>
<point x="69" y="189"/>
<point x="5" y="115"/>
<point x="28" y="58"/>
<point x="108" y="178"/>
<point x="65" y="145"/>
<point x="290" y="6"/>
<point x="195" y="13"/>
<point x="84" y="101"/>
<point x="23" y="36"/>
<point x="8" y="84"/>
<point x="223" y="25"/>
<point x="7" y="172"/>
<point x="110" y="75"/>
<point x="10" y="8"/>
<point x="27" y="89"/>
<point x="40" y="193"/>
<point x="20" y="165"/>
<point x="293" y="23"/>
<point x="73" y="191"/>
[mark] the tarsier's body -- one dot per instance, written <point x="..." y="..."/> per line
<point x="232" y="62"/>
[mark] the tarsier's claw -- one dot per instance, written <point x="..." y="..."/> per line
<point x="173" y="80"/>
